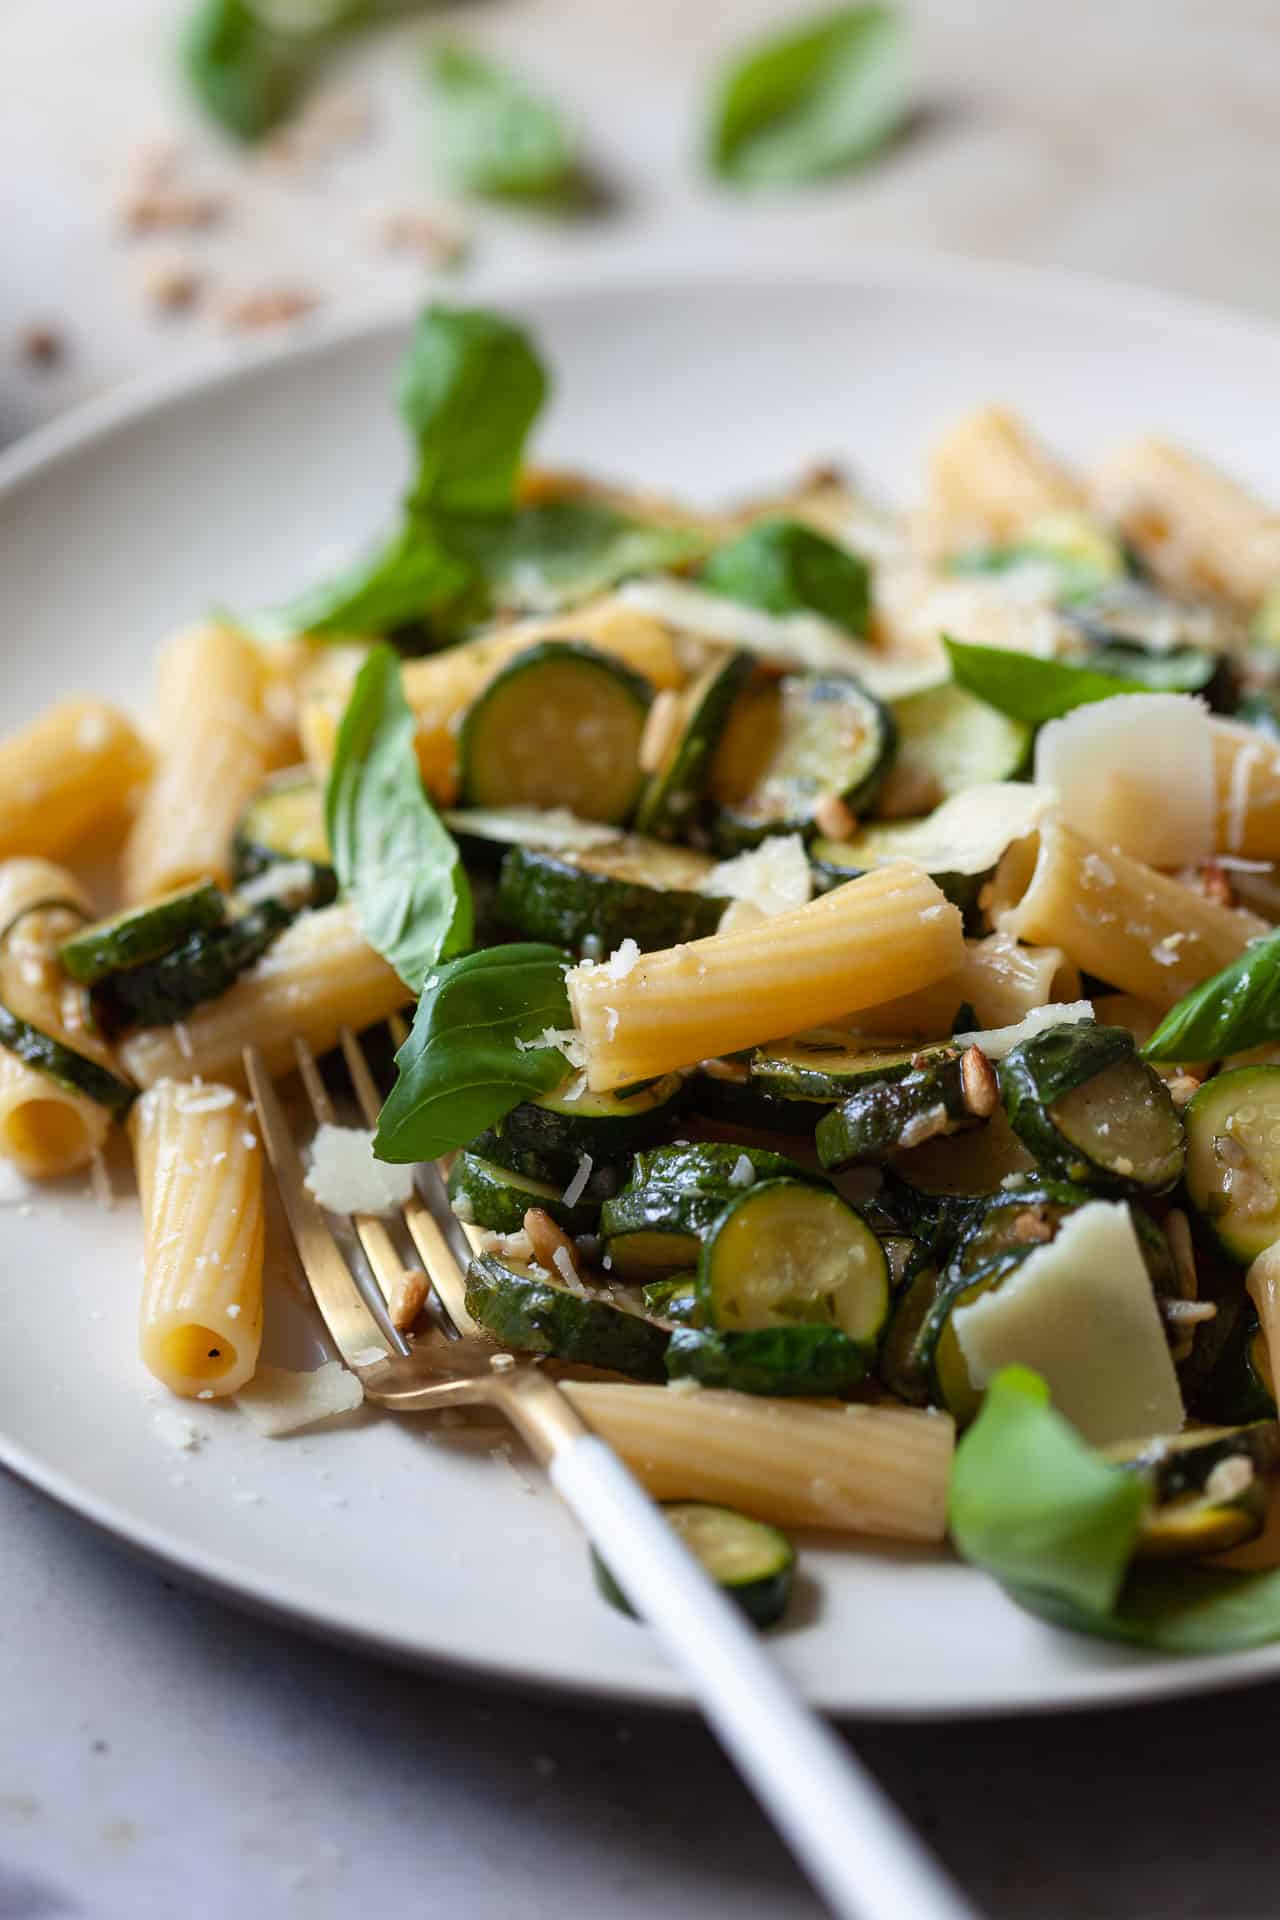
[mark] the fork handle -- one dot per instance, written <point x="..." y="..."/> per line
<point x="857" y="1849"/>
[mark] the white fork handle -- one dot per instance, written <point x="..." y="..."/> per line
<point x="855" y="1846"/>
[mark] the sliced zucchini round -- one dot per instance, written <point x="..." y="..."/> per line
<point x="782" y="1360"/>
<point x="724" y="1091"/>
<point x="899" y="1362"/>
<point x="937" y="1353"/>
<point x="484" y="834"/>
<point x="752" y="1562"/>
<point x="1092" y="1111"/>
<point x="139" y="934"/>
<point x="1014" y="1220"/>
<point x="936" y="1219"/>
<point x="553" y="1167"/>
<point x="1233" y="1159"/>
<point x="674" y="1300"/>
<point x="1132" y="613"/>
<point x="887" y="1115"/>
<point x="1210" y="1488"/>
<point x="674" y="793"/>
<point x="819" y="737"/>
<point x="532" y="1314"/>
<point x="826" y="1064"/>
<point x="948" y="740"/>
<point x="657" y="1223"/>
<point x="560" y="726"/>
<point x="490" y="1196"/>
<point x="787" y="1253"/>
<point x="605" y="1125"/>
<point x="71" y="1070"/>
<point x="202" y="968"/>
<point x="283" y="825"/>
<point x="633" y="889"/>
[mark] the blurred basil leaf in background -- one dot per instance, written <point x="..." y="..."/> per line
<point x="249" y="62"/>
<point x="493" y="134"/>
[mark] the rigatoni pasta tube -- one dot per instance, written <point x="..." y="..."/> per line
<point x="872" y="1470"/>
<point x="321" y="975"/>
<point x="1133" y="927"/>
<point x="806" y="968"/>
<point x="1000" y="979"/>
<point x="441" y="687"/>
<point x="47" y="1129"/>
<point x="1246" y="769"/>
<point x="1196" y="525"/>
<point x="199" y="1168"/>
<point x="988" y="476"/>
<point x="216" y="744"/>
<point x="70" y="772"/>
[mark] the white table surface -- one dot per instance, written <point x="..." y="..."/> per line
<point x="162" y="1755"/>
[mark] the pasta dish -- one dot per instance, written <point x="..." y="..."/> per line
<point x="841" y="950"/>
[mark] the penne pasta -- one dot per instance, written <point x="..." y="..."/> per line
<point x="988" y="477"/>
<point x="801" y="969"/>
<point x="873" y="1470"/>
<point x="1193" y="524"/>
<point x="71" y="772"/>
<point x="1247" y="779"/>
<point x="1135" y="928"/>
<point x="320" y="976"/>
<point x="199" y="1168"/>
<point x="216" y="744"/>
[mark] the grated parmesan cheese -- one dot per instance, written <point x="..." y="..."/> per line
<point x="742" y="1173"/>
<point x="199" y="1098"/>
<point x="774" y="877"/>
<point x="577" y="1186"/>
<point x="278" y="1401"/>
<point x="622" y="960"/>
<point x="183" y="1435"/>
<point x="345" y="1177"/>
<point x="566" y="1040"/>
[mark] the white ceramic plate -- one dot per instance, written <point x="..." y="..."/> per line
<point x="238" y="487"/>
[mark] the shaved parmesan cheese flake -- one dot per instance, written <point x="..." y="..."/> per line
<point x="554" y="828"/>
<point x="743" y="1173"/>
<point x="966" y="834"/>
<point x="997" y="1041"/>
<point x="1080" y="1310"/>
<point x="345" y="1177"/>
<point x="278" y="1401"/>
<point x="1135" y="772"/>
<point x="774" y="877"/>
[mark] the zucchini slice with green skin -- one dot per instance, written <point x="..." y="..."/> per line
<point x="787" y="1253"/>
<point x="283" y="825"/>
<point x="724" y="1091"/>
<point x="803" y="1360"/>
<point x="163" y="991"/>
<point x="484" y="834"/>
<point x="604" y="1125"/>
<point x="1210" y="1488"/>
<point x="885" y="1116"/>
<point x="674" y="1300"/>
<point x="675" y="1194"/>
<point x="937" y="1351"/>
<point x="828" y="1065"/>
<point x="532" y="1314"/>
<point x="829" y="739"/>
<point x="751" y="1562"/>
<point x="1092" y="1111"/>
<point x="633" y="889"/>
<point x="948" y="740"/>
<point x="486" y="1195"/>
<point x="143" y="933"/>
<point x="935" y="1220"/>
<point x="560" y="726"/>
<point x="671" y="801"/>
<point x="1013" y="1220"/>
<point x="899" y="1362"/>
<point x="555" y="1168"/>
<point x="71" y="1070"/>
<point x="1233" y="1159"/>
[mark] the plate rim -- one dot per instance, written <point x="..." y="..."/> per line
<point x="655" y="270"/>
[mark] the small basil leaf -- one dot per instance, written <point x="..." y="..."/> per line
<point x="391" y="853"/>
<point x="785" y="567"/>
<point x="1028" y="688"/>
<point x="1034" y="1505"/>
<point x="494" y="135"/>
<point x="410" y="575"/>
<point x="470" y="388"/>
<point x="245" y="76"/>
<point x="1237" y="1009"/>
<point x="1175" y="1610"/>
<point x="462" y="1067"/>
<point x="564" y="551"/>
<point x="812" y="101"/>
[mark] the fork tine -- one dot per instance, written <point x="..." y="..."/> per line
<point x="443" y="1267"/>
<point x="353" y="1328"/>
<point x="388" y="1269"/>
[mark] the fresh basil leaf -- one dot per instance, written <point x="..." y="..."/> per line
<point x="462" y="1067"/>
<point x="495" y="135"/>
<point x="1028" y="688"/>
<point x="390" y="851"/>
<point x="785" y="567"/>
<point x="1176" y="1610"/>
<point x="812" y="101"/>
<point x="410" y="575"/>
<point x="470" y="388"/>
<point x="1237" y="1009"/>
<point x="1032" y="1504"/>
<point x="245" y="76"/>
<point x="564" y="551"/>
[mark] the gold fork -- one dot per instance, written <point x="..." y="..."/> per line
<point x="852" y="1841"/>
